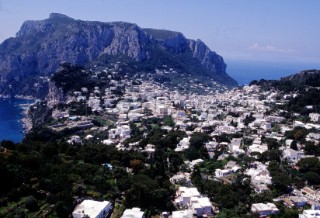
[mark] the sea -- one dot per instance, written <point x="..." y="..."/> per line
<point x="11" y="113"/>
<point x="244" y="71"/>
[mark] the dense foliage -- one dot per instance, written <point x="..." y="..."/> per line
<point x="48" y="178"/>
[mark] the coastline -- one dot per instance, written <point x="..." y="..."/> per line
<point x="24" y="123"/>
<point x="25" y="120"/>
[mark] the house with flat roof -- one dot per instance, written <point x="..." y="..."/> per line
<point x="182" y="214"/>
<point x="201" y="206"/>
<point x="192" y="199"/>
<point x="264" y="209"/>
<point x="310" y="214"/>
<point x="93" y="209"/>
<point x="184" y="195"/>
<point x="135" y="212"/>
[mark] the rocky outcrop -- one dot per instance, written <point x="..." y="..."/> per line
<point x="208" y="58"/>
<point x="129" y="40"/>
<point x="40" y="46"/>
<point x="55" y="95"/>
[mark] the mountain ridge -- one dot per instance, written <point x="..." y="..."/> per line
<point x="40" y="46"/>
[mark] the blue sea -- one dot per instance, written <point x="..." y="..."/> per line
<point x="11" y="113"/>
<point x="246" y="71"/>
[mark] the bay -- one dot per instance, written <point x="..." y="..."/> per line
<point x="11" y="113"/>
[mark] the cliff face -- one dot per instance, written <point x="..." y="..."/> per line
<point x="55" y="95"/>
<point x="209" y="59"/>
<point x="40" y="46"/>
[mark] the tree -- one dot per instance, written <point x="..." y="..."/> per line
<point x="136" y="165"/>
<point x="146" y="193"/>
<point x="281" y="181"/>
<point x="31" y="203"/>
<point x="172" y="139"/>
<point x="294" y="145"/>
<point x="168" y="121"/>
<point x="198" y="139"/>
<point x="272" y="143"/>
<point x="270" y="155"/>
<point x="287" y="213"/>
<point x="8" y="144"/>
<point x="312" y="177"/>
<point x="309" y="164"/>
<point x="298" y="133"/>
<point x="312" y="149"/>
<point x="248" y="119"/>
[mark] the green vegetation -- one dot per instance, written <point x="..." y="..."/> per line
<point x="46" y="172"/>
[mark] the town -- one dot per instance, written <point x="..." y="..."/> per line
<point x="221" y="136"/>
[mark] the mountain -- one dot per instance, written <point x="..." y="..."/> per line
<point x="295" y="82"/>
<point x="306" y="77"/>
<point x="28" y="59"/>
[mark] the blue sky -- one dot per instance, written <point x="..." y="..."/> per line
<point x="272" y="30"/>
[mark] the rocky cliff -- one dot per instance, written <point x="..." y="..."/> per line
<point x="40" y="46"/>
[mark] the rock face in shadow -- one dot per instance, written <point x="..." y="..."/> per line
<point x="40" y="46"/>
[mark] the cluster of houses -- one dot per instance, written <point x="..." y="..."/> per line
<point x="246" y="110"/>
<point x="192" y="202"/>
<point x="102" y="209"/>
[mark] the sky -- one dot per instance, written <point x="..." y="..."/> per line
<point x="273" y="30"/>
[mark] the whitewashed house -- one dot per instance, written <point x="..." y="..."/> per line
<point x="310" y="214"/>
<point x="264" y="209"/>
<point x="133" y="213"/>
<point x="314" y="117"/>
<point x="182" y="214"/>
<point x="183" y="144"/>
<point x="75" y="139"/>
<point x="291" y="155"/>
<point x="184" y="194"/>
<point x="201" y="206"/>
<point x="92" y="209"/>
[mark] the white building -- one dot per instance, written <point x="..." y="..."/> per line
<point x="264" y="209"/>
<point x="183" y="144"/>
<point x="191" y="198"/>
<point x="291" y="155"/>
<point x="150" y="148"/>
<point x="314" y="117"/>
<point x="133" y="213"/>
<point x="180" y="115"/>
<point x="310" y="214"/>
<point x="123" y="132"/>
<point x="182" y="214"/>
<point x="265" y="125"/>
<point x="75" y="139"/>
<point x="313" y="136"/>
<point x="162" y="110"/>
<point x="257" y="148"/>
<point x="234" y="146"/>
<point x="93" y="209"/>
<point x="201" y="206"/>
<point x="181" y="177"/>
<point x="211" y="146"/>
<point x="260" y="176"/>
<point x="184" y="195"/>
<point x="219" y="173"/>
